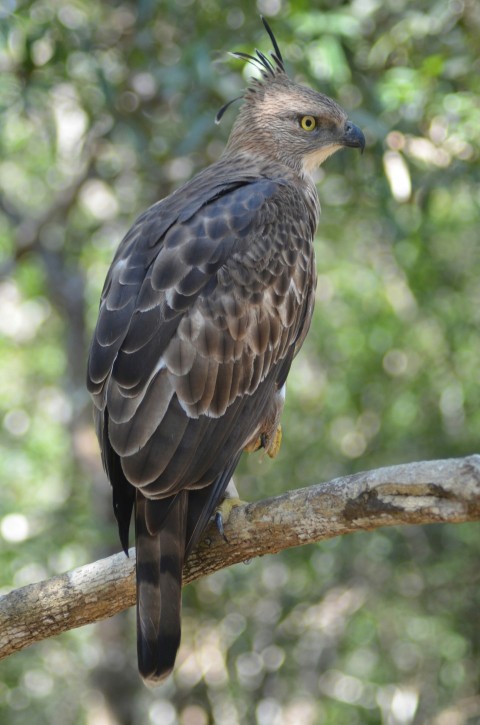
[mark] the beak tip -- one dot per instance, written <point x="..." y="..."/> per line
<point x="353" y="137"/>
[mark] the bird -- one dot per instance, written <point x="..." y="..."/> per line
<point x="208" y="299"/>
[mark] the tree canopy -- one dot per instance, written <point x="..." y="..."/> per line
<point x="105" y="108"/>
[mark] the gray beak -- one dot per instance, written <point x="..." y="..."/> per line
<point x="353" y="136"/>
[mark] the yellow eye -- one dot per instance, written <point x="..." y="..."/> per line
<point x="308" y="123"/>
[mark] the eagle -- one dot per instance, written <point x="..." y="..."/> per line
<point x="207" y="301"/>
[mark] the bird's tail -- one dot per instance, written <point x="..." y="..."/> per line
<point x="160" y="542"/>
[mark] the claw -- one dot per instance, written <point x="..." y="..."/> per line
<point x="271" y="445"/>
<point x="219" y="525"/>
<point x="222" y="514"/>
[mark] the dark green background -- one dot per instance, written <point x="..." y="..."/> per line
<point x="108" y="106"/>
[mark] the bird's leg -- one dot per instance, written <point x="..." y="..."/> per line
<point x="230" y="500"/>
<point x="271" y="443"/>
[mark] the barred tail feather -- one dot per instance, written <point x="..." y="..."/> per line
<point x="160" y="557"/>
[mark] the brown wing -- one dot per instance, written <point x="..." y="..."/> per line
<point x="189" y="332"/>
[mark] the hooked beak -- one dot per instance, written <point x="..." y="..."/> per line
<point x="353" y="137"/>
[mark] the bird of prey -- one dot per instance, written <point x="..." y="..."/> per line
<point x="207" y="301"/>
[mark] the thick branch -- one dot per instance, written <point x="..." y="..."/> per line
<point x="414" y="493"/>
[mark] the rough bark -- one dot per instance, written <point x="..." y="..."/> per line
<point x="416" y="493"/>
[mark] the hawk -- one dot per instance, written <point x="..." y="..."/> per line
<point x="207" y="301"/>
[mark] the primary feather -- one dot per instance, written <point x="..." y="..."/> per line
<point x="208" y="299"/>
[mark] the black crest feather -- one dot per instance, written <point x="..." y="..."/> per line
<point x="267" y="68"/>
<point x="277" y="56"/>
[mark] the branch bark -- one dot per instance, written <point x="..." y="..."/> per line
<point x="428" y="492"/>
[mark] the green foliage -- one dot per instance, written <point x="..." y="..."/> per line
<point x="106" y="107"/>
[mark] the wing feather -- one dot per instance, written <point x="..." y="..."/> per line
<point x="190" y="388"/>
<point x="203" y="406"/>
<point x="167" y="270"/>
<point x="144" y="326"/>
<point x="136" y="422"/>
<point x="179" y="356"/>
<point x="149" y="463"/>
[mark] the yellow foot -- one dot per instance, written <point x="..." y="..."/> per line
<point x="271" y="445"/>
<point x="223" y="511"/>
<point x="254" y="445"/>
<point x="275" y="444"/>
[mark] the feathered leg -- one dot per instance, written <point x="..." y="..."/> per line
<point x="160" y="542"/>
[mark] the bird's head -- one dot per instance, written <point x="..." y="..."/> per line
<point x="287" y="122"/>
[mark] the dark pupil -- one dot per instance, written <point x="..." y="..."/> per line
<point x="308" y="122"/>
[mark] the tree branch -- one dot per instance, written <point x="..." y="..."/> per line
<point x="415" y="493"/>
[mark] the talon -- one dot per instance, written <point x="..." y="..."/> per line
<point x="222" y="514"/>
<point x="219" y="525"/>
<point x="271" y="445"/>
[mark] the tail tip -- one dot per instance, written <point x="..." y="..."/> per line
<point x="156" y="664"/>
<point x="154" y="679"/>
